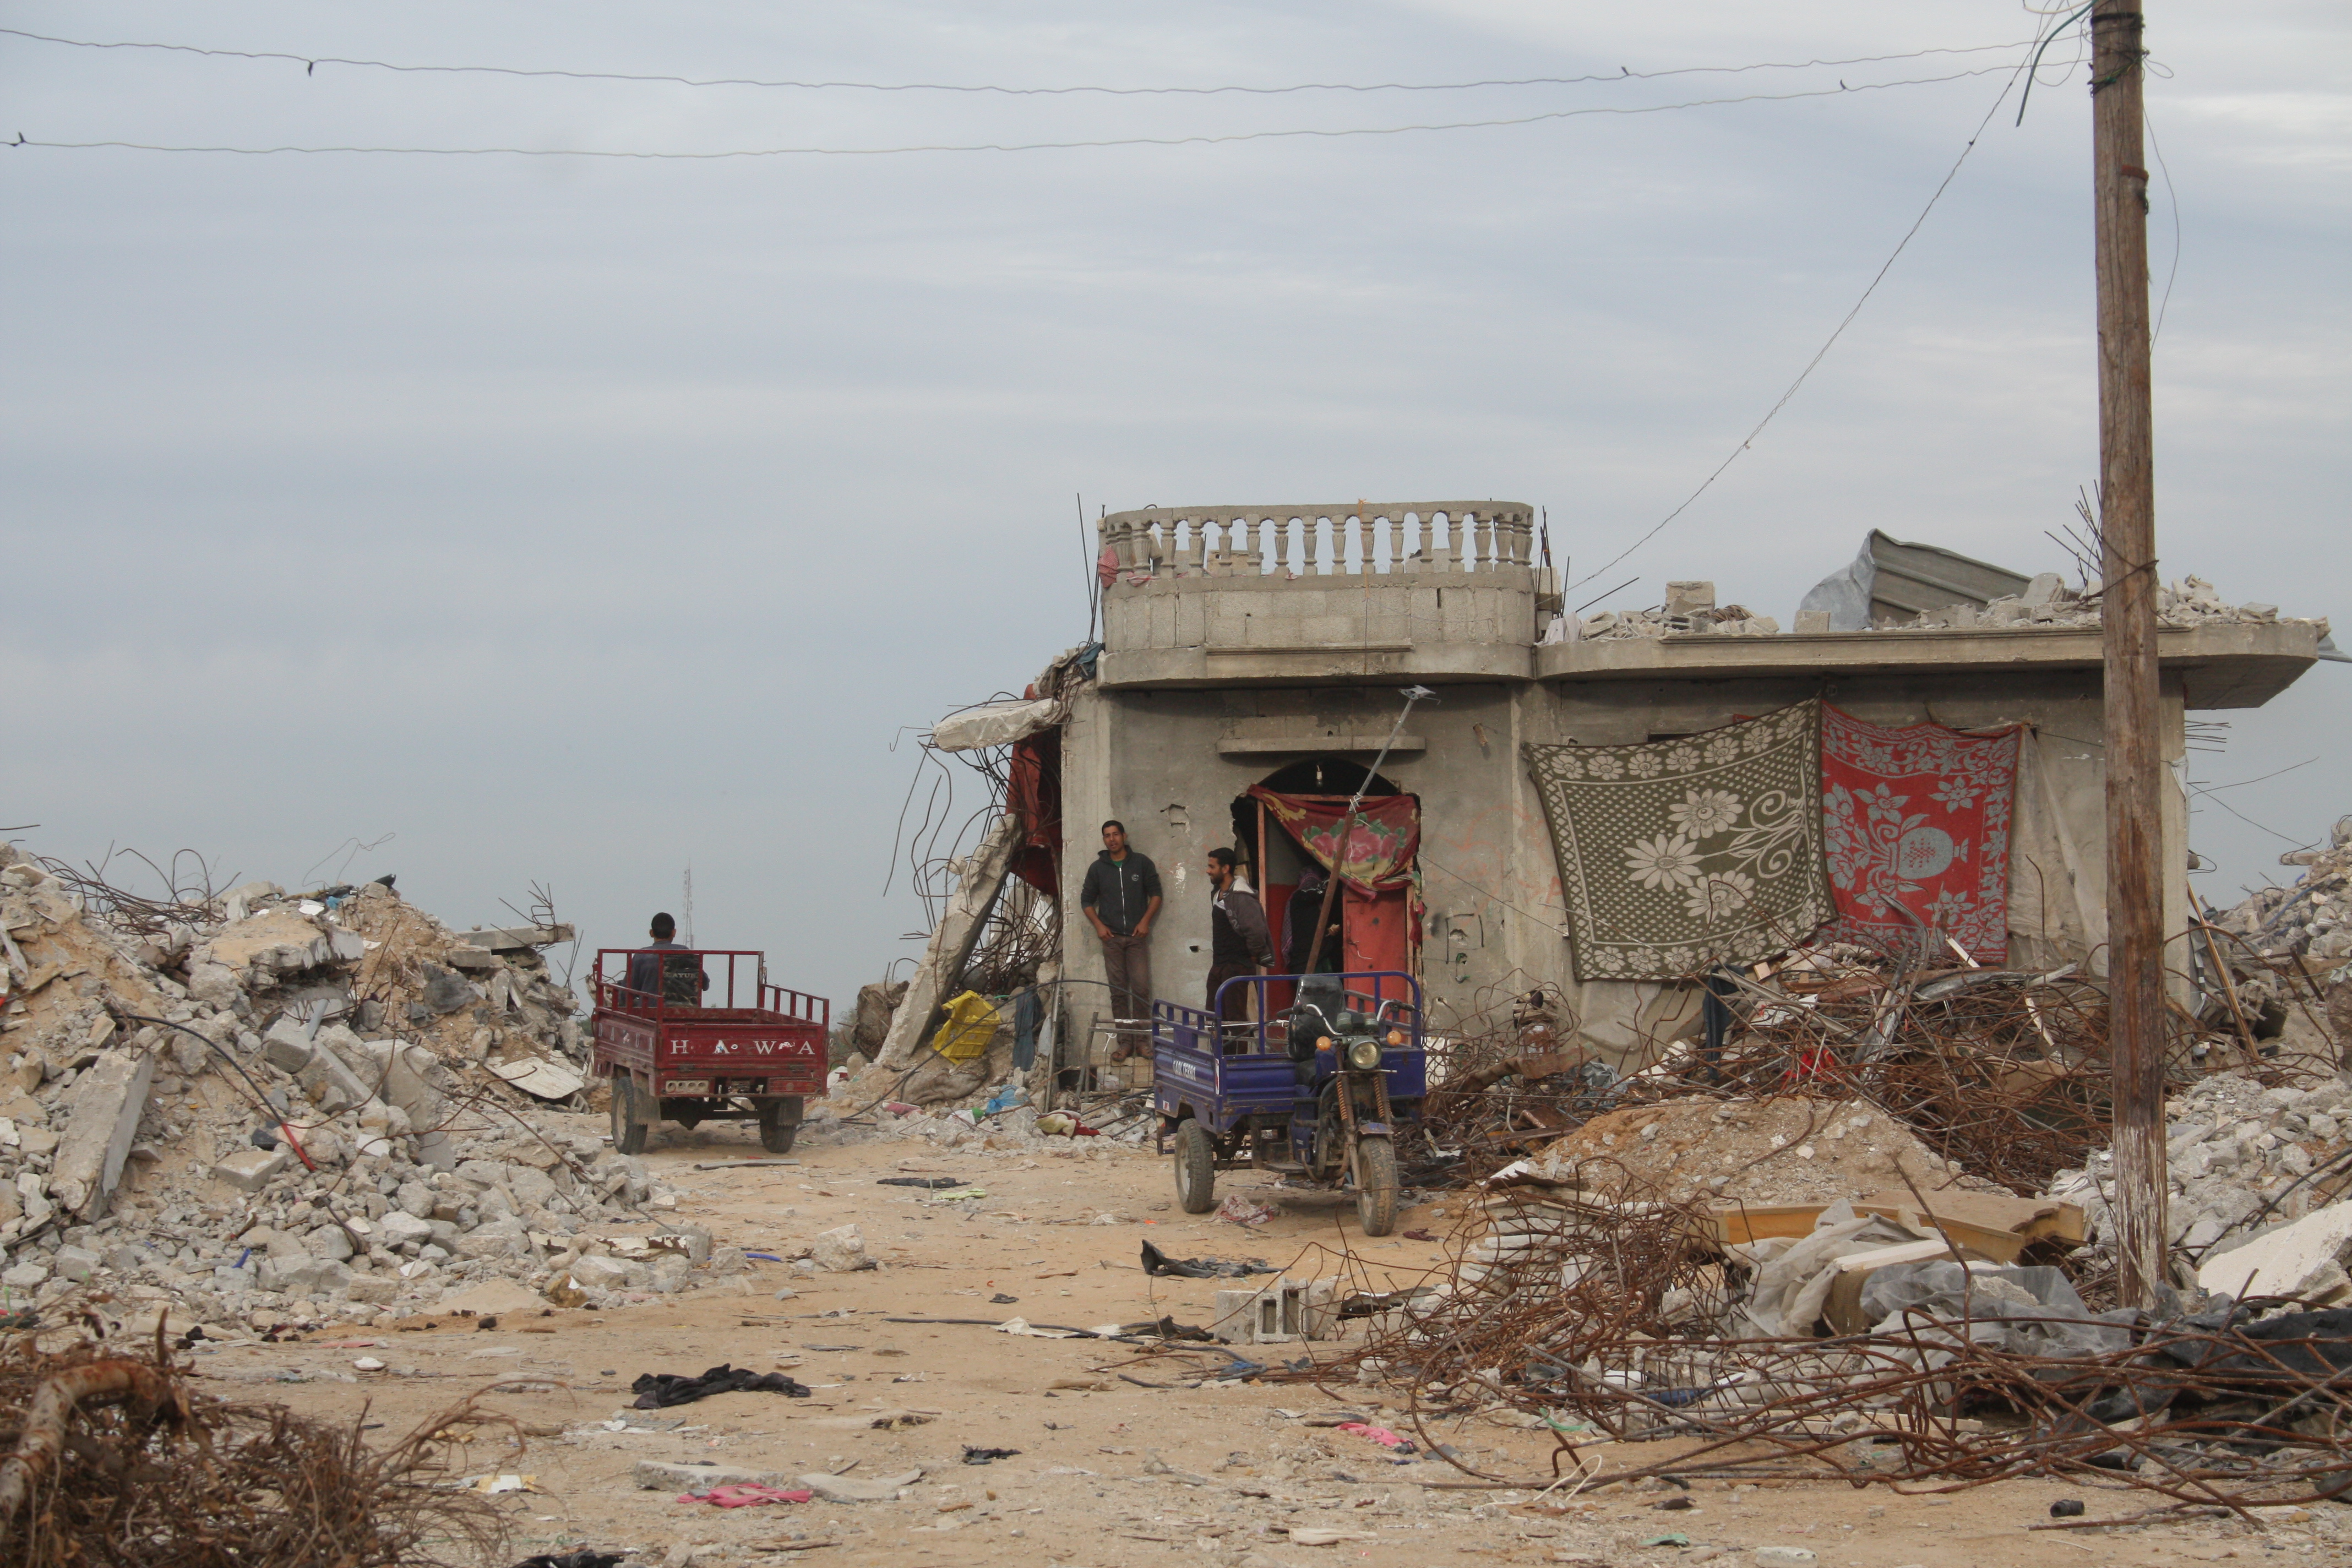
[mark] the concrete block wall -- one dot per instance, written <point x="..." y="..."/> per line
<point x="1490" y="882"/>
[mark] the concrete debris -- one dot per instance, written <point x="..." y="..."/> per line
<point x="389" y="1165"/>
<point x="2045" y="602"/>
<point x="2240" y="1157"/>
<point x="1773" y="1151"/>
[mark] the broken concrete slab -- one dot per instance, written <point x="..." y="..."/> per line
<point x="274" y="942"/>
<point x="333" y="1086"/>
<point x="446" y="991"/>
<point x="659" y="1474"/>
<point x="2308" y="1258"/>
<point x="103" y="1109"/>
<point x="841" y="1250"/>
<point x="287" y="1046"/>
<point x="493" y="1297"/>
<point x="599" y="1273"/>
<point x="850" y="1489"/>
<point x="978" y="881"/>
<point x="517" y="939"/>
<point x="249" y="1170"/>
<point x="540" y="1079"/>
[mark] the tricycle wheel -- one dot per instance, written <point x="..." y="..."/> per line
<point x="779" y="1120"/>
<point x="628" y="1133"/>
<point x="1196" y="1168"/>
<point x="1376" y="1185"/>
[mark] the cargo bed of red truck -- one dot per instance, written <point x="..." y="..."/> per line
<point x="669" y="1059"/>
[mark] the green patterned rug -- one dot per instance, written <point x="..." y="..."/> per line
<point x="1677" y="854"/>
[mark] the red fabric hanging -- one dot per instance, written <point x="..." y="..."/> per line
<point x="1917" y="825"/>
<point x="1033" y="792"/>
<point x="1383" y="840"/>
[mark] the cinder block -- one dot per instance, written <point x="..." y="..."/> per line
<point x="1279" y="1311"/>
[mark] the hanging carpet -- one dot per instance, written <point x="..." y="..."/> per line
<point x="1677" y="854"/>
<point x="1917" y="825"/>
<point x="1382" y="842"/>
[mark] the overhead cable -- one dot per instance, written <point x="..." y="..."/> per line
<point x="1823" y="352"/>
<point x="311" y="62"/>
<point x="1840" y="90"/>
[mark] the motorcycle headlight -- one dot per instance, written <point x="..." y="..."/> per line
<point x="1364" y="1055"/>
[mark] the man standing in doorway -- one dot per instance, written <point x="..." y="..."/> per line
<point x="1239" y="942"/>
<point x="1121" y="896"/>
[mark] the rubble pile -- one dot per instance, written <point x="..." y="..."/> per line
<point x="2241" y="1157"/>
<point x="309" y="1091"/>
<point x="1774" y="1150"/>
<point x="2047" y="601"/>
<point x="1689" y="607"/>
<point x="2310" y="920"/>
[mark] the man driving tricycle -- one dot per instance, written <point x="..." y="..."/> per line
<point x="1314" y="1090"/>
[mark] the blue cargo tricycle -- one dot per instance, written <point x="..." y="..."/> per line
<point x="1313" y="1090"/>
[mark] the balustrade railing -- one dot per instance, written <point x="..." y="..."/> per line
<point x="1298" y="542"/>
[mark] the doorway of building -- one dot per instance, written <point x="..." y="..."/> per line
<point x="1369" y="930"/>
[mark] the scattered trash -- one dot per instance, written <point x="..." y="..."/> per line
<point x="583" y="1558"/>
<point x="1381" y="1435"/>
<point x="660" y="1390"/>
<point x="745" y="1494"/>
<point x="2066" y="1508"/>
<point x="1319" y="1535"/>
<point x="973" y="1456"/>
<point x="1001" y="1300"/>
<point x="503" y="1484"/>
<point x="1157" y="1263"/>
<point x="935" y="1184"/>
<point x="1238" y="1210"/>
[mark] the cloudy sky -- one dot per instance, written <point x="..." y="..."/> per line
<point x="572" y="519"/>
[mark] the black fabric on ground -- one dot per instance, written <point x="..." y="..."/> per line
<point x="987" y="1456"/>
<point x="659" y="1390"/>
<point x="936" y="1183"/>
<point x="1157" y="1262"/>
<point x="583" y="1558"/>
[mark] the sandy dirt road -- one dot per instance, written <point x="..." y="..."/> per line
<point x="1108" y="1472"/>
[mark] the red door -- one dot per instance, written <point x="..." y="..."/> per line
<point x="1379" y="935"/>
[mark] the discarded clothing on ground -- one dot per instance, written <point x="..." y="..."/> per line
<point x="745" y="1494"/>
<point x="1157" y="1263"/>
<point x="973" y="1456"/>
<point x="660" y="1390"/>
<point x="931" y="1184"/>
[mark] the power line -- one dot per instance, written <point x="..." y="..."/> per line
<point x="311" y="62"/>
<point x="1823" y="352"/>
<point x="1840" y="90"/>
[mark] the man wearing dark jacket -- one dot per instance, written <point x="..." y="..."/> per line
<point x="680" y="981"/>
<point x="1121" y="896"/>
<point x="1239" y="942"/>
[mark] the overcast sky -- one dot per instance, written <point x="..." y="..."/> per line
<point x="573" y="520"/>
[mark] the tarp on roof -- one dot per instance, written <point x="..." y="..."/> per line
<point x="1894" y="579"/>
<point x="994" y="725"/>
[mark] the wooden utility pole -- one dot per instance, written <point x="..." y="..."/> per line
<point x="2134" y="753"/>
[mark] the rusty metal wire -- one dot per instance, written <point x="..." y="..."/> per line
<point x="1615" y="1320"/>
<point x="2004" y="1073"/>
<point x="188" y="898"/>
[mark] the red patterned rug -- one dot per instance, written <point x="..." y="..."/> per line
<point x="1919" y="820"/>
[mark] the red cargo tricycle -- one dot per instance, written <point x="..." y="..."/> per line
<point x="676" y="1053"/>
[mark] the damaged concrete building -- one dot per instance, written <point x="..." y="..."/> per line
<point x="1249" y="672"/>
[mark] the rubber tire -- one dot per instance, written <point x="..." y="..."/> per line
<point x="777" y="1129"/>
<point x="1196" y="1168"/>
<point x="1376" y="1185"/>
<point x="628" y="1133"/>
